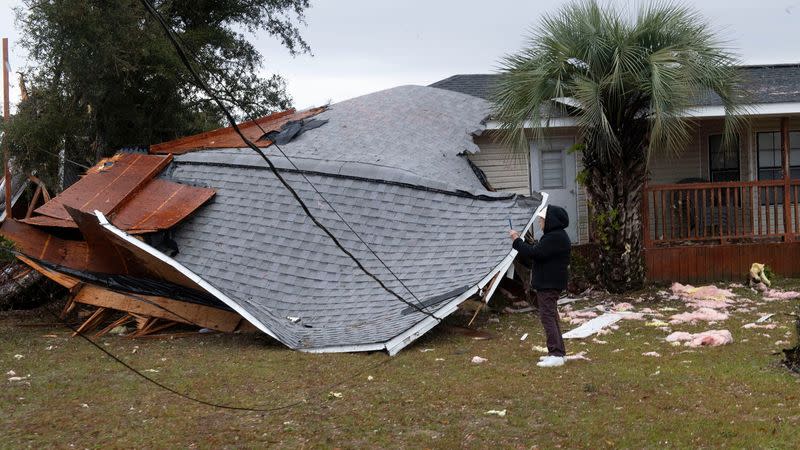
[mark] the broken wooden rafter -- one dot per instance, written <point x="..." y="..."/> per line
<point x="150" y="306"/>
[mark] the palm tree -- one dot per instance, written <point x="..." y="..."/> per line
<point x="628" y="82"/>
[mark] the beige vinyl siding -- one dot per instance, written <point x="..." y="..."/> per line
<point x="510" y="172"/>
<point x="667" y="168"/>
<point x="583" y="207"/>
<point x="504" y="170"/>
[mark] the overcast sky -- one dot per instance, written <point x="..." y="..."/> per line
<point x="364" y="46"/>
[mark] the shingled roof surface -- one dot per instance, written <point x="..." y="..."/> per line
<point x="414" y="129"/>
<point x="767" y="84"/>
<point x="391" y="165"/>
<point x="254" y="243"/>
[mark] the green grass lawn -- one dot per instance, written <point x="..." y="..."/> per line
<point x="737" y="395"/>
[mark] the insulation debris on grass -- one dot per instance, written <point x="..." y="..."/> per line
<point x="776" y="294"/>
<point x="495" y="412"/>
<point x="653" y="354"/>
<point x="577" y="356"/>
<point x="478" y="360"/>
<point x="702" y="314"/>
<point x="711" y="338"/>
<point x="765" y="326"/>
<point x="593" y="326"/>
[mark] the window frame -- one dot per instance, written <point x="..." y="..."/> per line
<point x="712" y="171"/>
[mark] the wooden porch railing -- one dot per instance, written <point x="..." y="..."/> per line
<point x="721" y="212"/>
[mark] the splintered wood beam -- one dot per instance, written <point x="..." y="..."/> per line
<point x="121" y="321"/>
<point x="152" y="328"/>
<point x="91" y="322"/>
<point x="32" y="205"/>
<point x="151" y="306"/>
<point x="67" y="308"/>
<point x="64" y="280"/>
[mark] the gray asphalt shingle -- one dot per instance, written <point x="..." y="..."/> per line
<point x="254" y="243"/>
<point x="390" y="164"/>
<point x="779" y="83"/>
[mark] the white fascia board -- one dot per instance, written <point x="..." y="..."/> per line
<point x="558" y="122"/>
<point x="183" y="270"/>
<point x="399" y="342"/>
<point x="346" y="348"/>
<point x="758" y="109"/>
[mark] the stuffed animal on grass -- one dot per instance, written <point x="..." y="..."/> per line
<point x="758" y="274"/>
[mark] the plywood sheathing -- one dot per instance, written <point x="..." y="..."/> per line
<point x="228" y="138"/>
<point x="106" y="185"/>
<point x="123" y="189"/>
<point x="160" y="205"/>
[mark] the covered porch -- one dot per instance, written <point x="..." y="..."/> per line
<point x="742" y="205"/>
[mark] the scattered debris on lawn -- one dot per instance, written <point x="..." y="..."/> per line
<point x="577" y="356"/>
<point x="593" y="326"/>
<point x="766" y="326"/>
<point x="494" y="412"/>
<point x="478" y="360"/>
<point x="701" y="314"/>
<point x="653" y="354"/>
<point x="711" y="338"/>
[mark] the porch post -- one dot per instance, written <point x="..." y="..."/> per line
<point x="788" y="229"/>
<point x="645" y="217"/>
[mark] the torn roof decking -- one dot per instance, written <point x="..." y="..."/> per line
<point x="255" y="244"/>
<point x="123" y="187"/>
<point x="227" y="137"/>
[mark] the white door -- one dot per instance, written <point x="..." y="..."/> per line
<point x="553" y="171"/>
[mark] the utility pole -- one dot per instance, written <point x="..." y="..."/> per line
<point x="6" y="118"/>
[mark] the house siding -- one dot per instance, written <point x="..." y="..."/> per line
<point x="505" y="170"/>
<point x="510" y="172"/>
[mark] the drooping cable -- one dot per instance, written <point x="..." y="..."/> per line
<point x="174" y="391"/>
<point x="202" y="84"/>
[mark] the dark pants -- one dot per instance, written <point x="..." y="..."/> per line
<point x="548" y="314"/>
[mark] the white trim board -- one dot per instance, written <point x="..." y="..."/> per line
<point x="184" y="271"/>
<point x="753" y="110"/>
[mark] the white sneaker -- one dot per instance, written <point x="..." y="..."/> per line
<point x="551" y="361"/>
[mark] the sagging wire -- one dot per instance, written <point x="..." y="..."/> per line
<point x="230" y="97"/>
<point x="174" y="391"/>
<point x="203" y="85"/>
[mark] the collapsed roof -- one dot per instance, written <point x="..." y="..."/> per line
<point x="383" y="172"/>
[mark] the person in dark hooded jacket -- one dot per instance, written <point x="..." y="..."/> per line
<point x="549" y="275"/>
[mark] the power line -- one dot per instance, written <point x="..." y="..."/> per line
<point x="219" y="75"/>
<point x="173" y="390"/>
<point x="202" y="84"/>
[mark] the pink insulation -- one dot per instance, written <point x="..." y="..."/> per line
<point x="711" y="338"/>
<point x="704" y="296"/>
<point x="776" y="294"/>
<point x="702" y="314"/>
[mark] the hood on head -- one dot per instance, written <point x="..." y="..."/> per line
<point x="556" y="218"/>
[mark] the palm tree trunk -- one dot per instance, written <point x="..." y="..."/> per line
<point x="614" y="190"/>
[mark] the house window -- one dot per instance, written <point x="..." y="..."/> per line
<point x="770" y="163"/>
<point x="552" y="166"/>
<point x="769" y="155"/>
<point x="723" y="161"/>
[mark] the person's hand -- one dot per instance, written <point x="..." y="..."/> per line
<point x="514" y="234"/>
